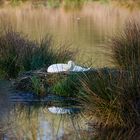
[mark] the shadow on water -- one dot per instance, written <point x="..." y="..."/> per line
<point x="34" y="120"/>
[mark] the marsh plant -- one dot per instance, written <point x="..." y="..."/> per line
<point x="126" y="46"/>
<point x="38" y="86"/>
<point x="99" y="95"/>
<point x="18" y="53"/>
<point x="113" y="96"/>
<point x="116" y="133"/>
<point x="13" y="49"/>
<point x="67" y="86"/>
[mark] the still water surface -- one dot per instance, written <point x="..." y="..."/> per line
<point x="87" y="29"/>
<point x="24" y="120"/>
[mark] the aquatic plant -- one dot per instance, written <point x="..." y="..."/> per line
<point x="113" y="96"/>
<point x="19" y="54"/>
<point x="99" y="96"/>
<point x="68" y="86"/>
<point x="38" y="86"/>
<point x="126" y="46"/>
<point x="13" y="48"/>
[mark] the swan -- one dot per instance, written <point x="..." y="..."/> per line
<point x="55" y="68"/>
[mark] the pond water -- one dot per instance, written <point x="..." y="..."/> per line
<point x="87" y="26"/>
<point x="34" y="120"/>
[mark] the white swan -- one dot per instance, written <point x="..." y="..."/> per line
<point x="59" y="110"/>
<point x="55" y="68"/>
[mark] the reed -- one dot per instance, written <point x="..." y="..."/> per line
<point x="113" y="96"/>
<point x="18" y="53"/>
<point x="126" y="46"/>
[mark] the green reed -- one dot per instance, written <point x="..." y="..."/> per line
<point x="18" y="53"/>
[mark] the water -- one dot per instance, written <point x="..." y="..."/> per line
<point x="87" y="26"/>
<point x="24" y="119"/>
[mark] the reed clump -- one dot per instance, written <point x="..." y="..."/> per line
<point x="18" y="53"/>
<point x="113" y="96"/>
<point x="126" y="47"/>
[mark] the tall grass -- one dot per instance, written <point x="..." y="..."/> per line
<point x="18" y="53"/>
<point x="100" y="94"/>
<point x="67" y="86"/>
<point x="13" y="49"/>
<point x="126" y="46"/>
<point x="113" y="96"/>
<point x="117" y="133"/>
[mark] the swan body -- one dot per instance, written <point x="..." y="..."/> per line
<point x="55" y="68"/>
<point x="79" y="68"/>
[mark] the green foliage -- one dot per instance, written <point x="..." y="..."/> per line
<point x="13" y="49"/>
<point x="67" y="86"/>
<point x="20" y="54"/>
<point x="38" y="86"/>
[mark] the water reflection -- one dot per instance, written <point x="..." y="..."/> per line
<point x="20" y="120"/>
<point x="29" y="122"/>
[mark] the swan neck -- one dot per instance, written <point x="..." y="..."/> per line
<point x="71" y="65"/>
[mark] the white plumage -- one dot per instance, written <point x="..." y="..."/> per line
<point x="55" y="68"/>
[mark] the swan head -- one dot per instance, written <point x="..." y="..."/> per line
<point x="71" y="65"/>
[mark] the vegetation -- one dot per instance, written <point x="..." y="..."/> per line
<point x="73" y="4"/>
<point x="38" y="86"/>
<point x="112" y="97"/>
<point x="67" y="86"/>
<point x="109" y="96"/>
<point x="115" y="133"/>
<point x="126" y="47"/>
<point x="19" y="54"/>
